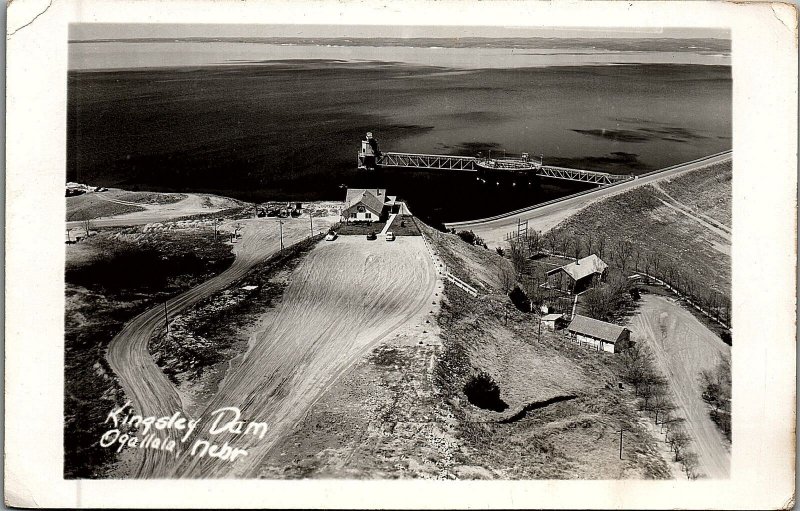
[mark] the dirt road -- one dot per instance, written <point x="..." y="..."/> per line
<point x="684" y="347"/>
<point x="493" y="230"/>
<point x="343" y="299"/>
<point x="192" y="204"/>
<point x="719" y="230"/>
<point x="143" y="382"/>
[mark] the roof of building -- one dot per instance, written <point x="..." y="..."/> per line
<point x="552" y="317"/>
<point x="372" y="198"/>
<point x="596" y="328"/>
<point x="582" y="268"/>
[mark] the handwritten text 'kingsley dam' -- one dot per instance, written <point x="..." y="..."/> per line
<point x="224" y="420"/>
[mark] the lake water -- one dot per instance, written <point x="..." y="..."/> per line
<point x="265" y="121"/>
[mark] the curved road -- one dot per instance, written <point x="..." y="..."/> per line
<point x="544" y="217"/>
<point x="343" y="299"/>
<point x="149" y="390"/>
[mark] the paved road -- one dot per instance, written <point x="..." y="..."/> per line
<point x="494" y="229"/>
<point x="151" y="393"/>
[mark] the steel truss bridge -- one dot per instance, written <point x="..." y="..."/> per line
<point x="471" y="164"/>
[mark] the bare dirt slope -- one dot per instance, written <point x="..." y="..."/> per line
<point x="144" y="383"/>
<point x="343" y="299"/>
<point x="684" y="347"/>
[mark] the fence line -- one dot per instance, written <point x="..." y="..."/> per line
<point x="441" y="268"/>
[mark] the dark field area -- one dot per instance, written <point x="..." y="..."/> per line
<point x="291" y="130"/>
<point x="102" y="294"/>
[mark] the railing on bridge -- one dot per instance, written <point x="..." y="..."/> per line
<point x="370" y="158"/>
<point x="427" y="161"/>
<point x="586" y="176"/>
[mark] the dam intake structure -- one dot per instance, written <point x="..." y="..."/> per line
<point x="370" y="157"/>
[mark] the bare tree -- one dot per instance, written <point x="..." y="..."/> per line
<point x="624" y="248"/>
<point x="534" y="243"/>
<point x="689" y="464"/>
<point x="506" y="278"/>
<point x="552" y="240"/>
<point x="576" y="248"/>
<point x="679" y="441"/>
<point x="589" y="244"/>
<point x="601" y="245"/>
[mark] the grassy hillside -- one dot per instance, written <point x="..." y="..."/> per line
<point x="682" y="236"/>
<point x="472" y="393"/>
<point x="101" y="294"/>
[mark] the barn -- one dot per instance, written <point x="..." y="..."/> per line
<point x="366" y="205"/>
<point x="600" y="335"/>
<point x="577" y="276"/>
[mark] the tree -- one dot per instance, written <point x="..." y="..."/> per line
<point x="552" y="240"/>
<point x="506" y="277"/>
<point x="576" y="248"/>
<point x="637" y="362"/>
<point x="652" y="384"/>
<point x="534" y="243"/>
<point x="679" y="440"/>
<point x="601" y="245"/>
<point x="517" y="256"/>
<point x="663" y="405"/>
<point x="624" y="248"/>
<point x="689" y="463"/>
<point x="597" y="303"/>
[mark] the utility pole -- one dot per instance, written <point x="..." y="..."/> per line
<point x="166" y="317"/>
<point x="620" y="441"/>
<point x="540" y="327"/>
<point x="280" y="223"/>
<point x="216" y="223"/>
<point x="311" y="219"/>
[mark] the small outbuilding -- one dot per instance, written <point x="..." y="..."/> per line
<point x="597" y="334"/>
<point x="577" y="276"/>
<point x="554" y="321"/>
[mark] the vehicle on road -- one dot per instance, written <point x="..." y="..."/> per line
<point x="372" y="236"/>
<point x="331" y="236"/>
<point x="390" y="236"/>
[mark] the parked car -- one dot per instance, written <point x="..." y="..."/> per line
<point x="372" y="236"/>
<point x="390" y="236"/>
<point x="331" y="236"/>
<point x="272" y="212"/>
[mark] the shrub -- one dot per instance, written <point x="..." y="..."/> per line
<point x="520" y="299"/>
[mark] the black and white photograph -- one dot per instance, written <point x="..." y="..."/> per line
<point x="397" y="252"/>
<point x="332" y="254"/>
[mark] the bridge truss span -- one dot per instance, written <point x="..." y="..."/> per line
<point x="371" y="158"/>
<point x="585" y="176"/>
<point x="427" y="161"/>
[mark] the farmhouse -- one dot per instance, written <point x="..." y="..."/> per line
<point x="577" y="276"/>
<point x="367" y="205"/>
<point x="598" y="334"/>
